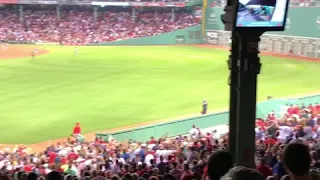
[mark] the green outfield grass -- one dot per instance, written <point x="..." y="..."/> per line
<point x="108" y="87"/>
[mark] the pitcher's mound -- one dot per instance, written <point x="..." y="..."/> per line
<point x="12" y="52"/>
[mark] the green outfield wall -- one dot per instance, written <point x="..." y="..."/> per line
<point x="180" y="127"/>
<point x="300" y="38"/>
<point x="301" y="21"/>
<point x="191" y="35"/>
<point x="212" y="16"/>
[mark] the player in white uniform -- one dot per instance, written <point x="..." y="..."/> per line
<point x="76" y="51"/>
<point x="33" y="54"/>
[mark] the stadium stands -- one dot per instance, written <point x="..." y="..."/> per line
<point x="79" y="26"/>
<point x="11" y="28"/>
<point x="197" y="155"/>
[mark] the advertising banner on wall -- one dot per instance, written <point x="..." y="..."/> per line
<point x="290" y="45"/>
<point x="8" y="2"/>
<point x="212" y="37"/>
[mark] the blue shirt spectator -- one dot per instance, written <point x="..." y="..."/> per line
<point x="279" y="170"/>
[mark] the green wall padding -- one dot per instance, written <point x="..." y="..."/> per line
<point x="183" y="126"/>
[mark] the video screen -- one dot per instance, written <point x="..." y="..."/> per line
<point x="261" y="13"/>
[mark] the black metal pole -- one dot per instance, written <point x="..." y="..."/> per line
<point x="249" y="68"/>
<point x="233" y="104"/>
<point x="244" y="65"/>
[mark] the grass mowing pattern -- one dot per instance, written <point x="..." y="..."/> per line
<point x="107" y="87"/>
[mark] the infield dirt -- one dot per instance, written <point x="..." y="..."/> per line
<point x="13" y="52"/>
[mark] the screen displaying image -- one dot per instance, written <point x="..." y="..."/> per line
<point x="261" y="13"/>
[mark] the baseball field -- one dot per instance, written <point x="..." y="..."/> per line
<point x="105" y="88"/>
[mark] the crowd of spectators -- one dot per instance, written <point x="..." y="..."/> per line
<point x="217" y="2"/>
<point x="80" y="27"/>
<point x="286" y="148"/>
<point x="10" y="26"/>
<point x="77" y="26"/>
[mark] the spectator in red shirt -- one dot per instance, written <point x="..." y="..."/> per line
<point x="260" y="123"/>
<point x="271" y="116"/>
<point x="27" y="168"/>
<point x="64" y="160"/>
<point x="290" y="110"/>
<point x="270" y="140"/>
<point x="77" y="129"/>
<point x="296" y="109"/>
<point x="52" y="157"/>
<point x="152" y="141"/>
<point x="317" y="108"/>
<point x="264" y="169"/>
<point x="205" y="172"/>
<point x="208" y="136"/>
<point x="72" y="156"/>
